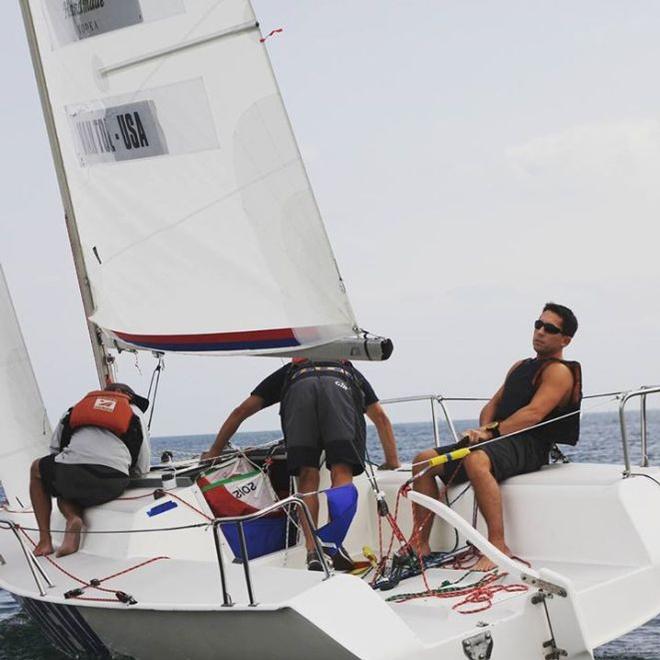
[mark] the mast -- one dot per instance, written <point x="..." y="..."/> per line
<point x="102" y="359"/>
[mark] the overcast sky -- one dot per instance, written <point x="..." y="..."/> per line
<point x="471" y="160"/>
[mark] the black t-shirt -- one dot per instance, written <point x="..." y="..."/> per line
<point x="270" y="388"/>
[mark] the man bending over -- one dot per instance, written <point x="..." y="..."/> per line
<point x="322" y="408"/>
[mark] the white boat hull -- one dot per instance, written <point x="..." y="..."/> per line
<point x="599" y="561"/>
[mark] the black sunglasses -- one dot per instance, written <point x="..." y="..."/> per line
<point x="550" y="328"/>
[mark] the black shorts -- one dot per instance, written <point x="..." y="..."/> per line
<point x="518" y="454"/>
<point x="319" y="412"/>
<point x="85" y="485"/>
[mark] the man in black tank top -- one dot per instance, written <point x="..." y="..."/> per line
<point x="535" y="390"/>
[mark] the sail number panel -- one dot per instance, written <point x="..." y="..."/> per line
<point x="123" y="132"/>
<point x="74" y="20"/>
<point x="170" y="120"/>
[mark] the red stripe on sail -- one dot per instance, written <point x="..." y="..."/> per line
<point x="217" y="337"/>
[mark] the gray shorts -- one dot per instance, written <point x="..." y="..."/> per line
<point x="320" y="412"/>
<point x="85" y="485"/>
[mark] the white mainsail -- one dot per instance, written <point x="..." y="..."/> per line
<point x="197" y="225"/>
<point x="25" y="428"/>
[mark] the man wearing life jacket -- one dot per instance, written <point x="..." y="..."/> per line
<point x="322" y="409"/>
<point x="96" y="446"/>
<point x="535" y="390"/>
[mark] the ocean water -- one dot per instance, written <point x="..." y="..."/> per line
<point x="600" y="442"/>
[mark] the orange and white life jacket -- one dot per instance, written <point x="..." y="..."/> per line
<point x="109" y="410"/>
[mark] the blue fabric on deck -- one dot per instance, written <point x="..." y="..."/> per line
<point x="342" y="505"/>
<point x="262" y="536"/>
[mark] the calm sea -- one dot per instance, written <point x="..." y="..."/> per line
<point x="599" y="443"/>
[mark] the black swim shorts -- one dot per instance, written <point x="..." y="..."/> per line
<point x="319" y="412"/>
<point x="85" y="485"/>
<point x="518" y="454"/>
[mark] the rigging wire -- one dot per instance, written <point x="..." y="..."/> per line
<point x="648" y="476"/>
<point x="153" y="385"/>
<point x="5" y="525"/>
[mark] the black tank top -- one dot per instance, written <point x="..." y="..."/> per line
<point x="519" y="389"/>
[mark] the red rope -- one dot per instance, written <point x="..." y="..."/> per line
<point x="485" y="594"/>
<point x="410" y="544"/>
<point x="482" y="594"/>
<point x="51" y="560"/>
<point x="136" y="497"/>
<point x="97" y="583"/>
<point x="190" y="506"/>
<point x="466" y="559"/>
<point x="127" y="570"/>
<point x="270" y="34"/>
<point x="407" y="544"/>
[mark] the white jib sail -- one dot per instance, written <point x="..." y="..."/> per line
<point x="25" y="431"/>
<point x="197" y="223"/>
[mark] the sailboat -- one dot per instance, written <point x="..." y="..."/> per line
<point x="194" y="230"/>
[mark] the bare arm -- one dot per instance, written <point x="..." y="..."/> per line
<point x="555" y="386"/>
<point x="237" y="416"/>
<point x="381" y="421"/>
<point x="488" y="411"/>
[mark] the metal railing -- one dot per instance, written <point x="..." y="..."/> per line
<point x="31" y="560"/>
<point x="622" y="397"/>
<point x="296" y="501"/>
<point x="291" y="501"/>
<point x="436" y="399"/>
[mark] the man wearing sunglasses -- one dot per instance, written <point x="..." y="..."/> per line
<point x="535" y="390"/>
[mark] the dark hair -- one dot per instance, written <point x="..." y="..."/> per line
<point x="569" y="322"/>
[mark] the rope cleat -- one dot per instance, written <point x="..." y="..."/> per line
<point x="125" y="598"/>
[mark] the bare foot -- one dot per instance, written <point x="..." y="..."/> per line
<point x="44" y="547"/>
<point x="71" y="541"/>
<point x="485" y="564"/>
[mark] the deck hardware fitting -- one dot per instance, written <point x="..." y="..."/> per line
<point x="38" y="573"/>
<point x="542" y="585"/>
<point x="555" y="652"/>
<point x="125" y="598"/>
<point x="540" y="596"/>
<point x="478" y="647"/>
